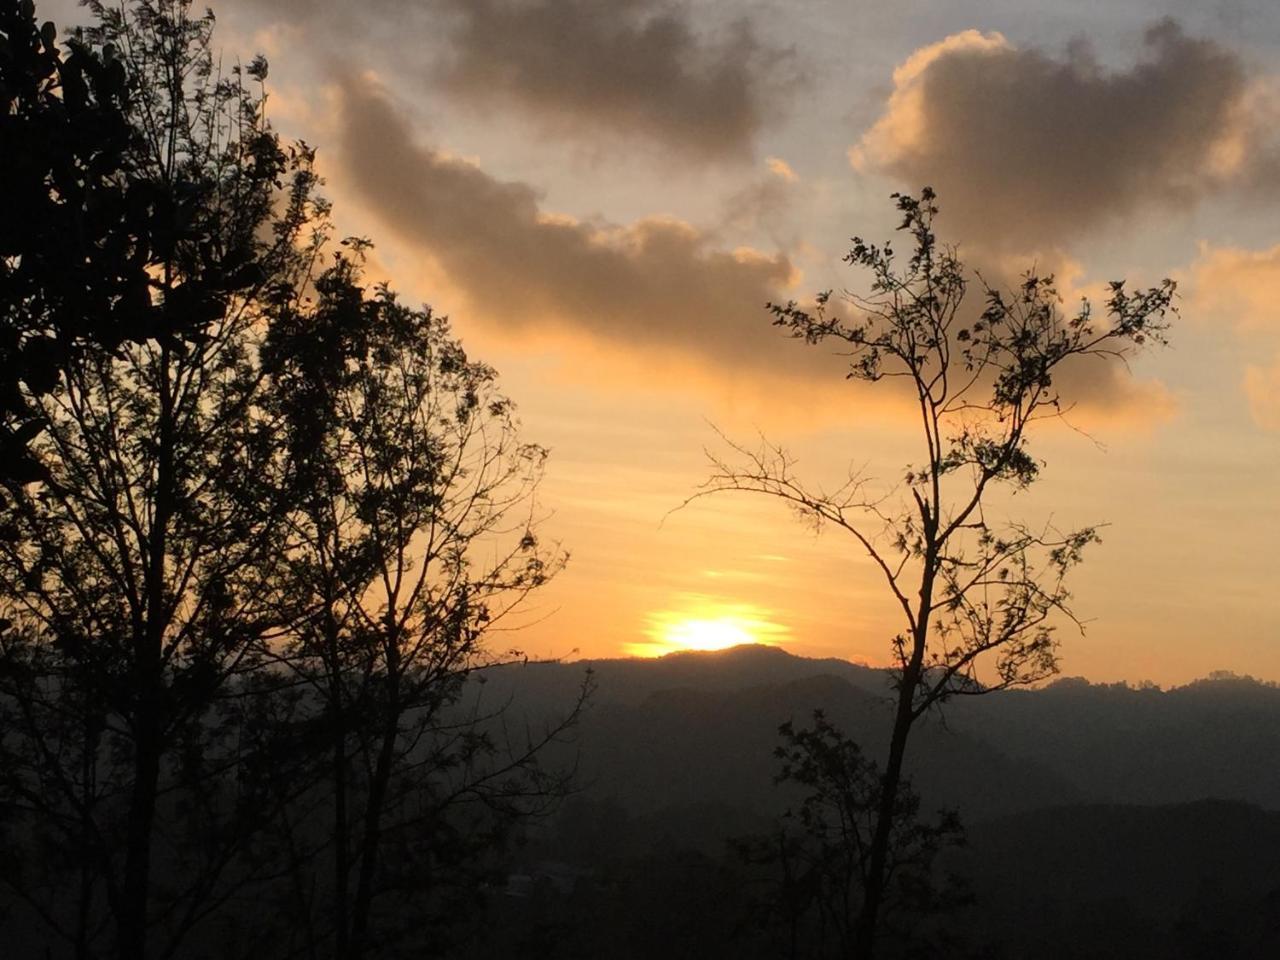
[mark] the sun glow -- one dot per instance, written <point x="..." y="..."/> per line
<point x="708" y="634"/>
<point x="701" y="624"/>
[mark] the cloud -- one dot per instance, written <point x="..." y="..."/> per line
<point x="1028" y="150"/>
<point x="1238" y="287"/>
<point x="658" y="283"/>
<point x="658" y="287"/>
<point x="630" y="71"/>
<point x="1262" y="387"/>
<point x="781" y="169"/>
<point x="627" y="67"/>
<point x="767" y="205"/>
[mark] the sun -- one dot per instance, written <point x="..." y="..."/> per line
<point x="717" y="634"/>
<point x="703" y="623"/>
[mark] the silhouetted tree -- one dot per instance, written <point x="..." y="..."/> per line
<point x="978" y="597"/>
<point x="125" y="158"/>
<point x="820" y="854"/>
<point x="263" y="516"/>
<point x="138" y="546"/>
<point x="415" y="542"/>
<point x="69" y="269"/>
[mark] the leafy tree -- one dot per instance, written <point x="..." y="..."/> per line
<point x="978" y="597"/>
<point x="415" y="542"/>
<point x="262" y="516"/>
<point x="139" y="543"/>
<point x="68" y="237"/>
<point x="120" y="179"/>
<point x="820" y="855"/>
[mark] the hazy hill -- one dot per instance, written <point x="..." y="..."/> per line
<point x="687" y="745"/>
<point x="631" y="680"/>
<point x="1080" y="842"/>
<point x="1211" y="738"/>
<point x="700" y="728"/>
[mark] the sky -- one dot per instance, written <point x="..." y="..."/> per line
<point x="603" y="195"/>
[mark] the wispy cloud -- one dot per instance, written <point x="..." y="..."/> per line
<point x="1238" y="289"/>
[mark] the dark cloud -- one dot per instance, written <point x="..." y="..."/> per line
<point x="655" y="287"/>
<point x="626" y="67"/>
<point x="658" y="283"/>
<point x="1027" y="150"/>
<point x="622" y="71"/>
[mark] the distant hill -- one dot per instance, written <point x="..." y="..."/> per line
<point x="1092" y="831"/>
<point x="630" y="680"/>
<point x="1211" y="738"/>
<point x="701" y="727"/>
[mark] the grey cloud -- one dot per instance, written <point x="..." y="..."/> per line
<point x="629" y="67"/>
<point x="1027" y="150"/>
<point x="657" y="283"/>
<point x="627" y="72"/>
<point x="657" y="286"/>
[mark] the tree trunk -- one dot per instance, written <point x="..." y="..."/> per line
<point x="865" y="930"/>
<point x="131" y="921"/>
<point x="88" y="841"/>
<point x="341" y="841"/>
<point x="372" y="833"/>
<point x="864" y="938"/>
<point x="341" y="825"/>
<point x="148" y="677"/>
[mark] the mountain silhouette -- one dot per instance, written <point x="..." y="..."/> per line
<point x="1102" y="820"/>
<point x="700" y="727"/>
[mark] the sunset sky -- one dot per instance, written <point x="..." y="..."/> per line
<point x="603" y="194"/>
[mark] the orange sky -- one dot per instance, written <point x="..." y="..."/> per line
<point x="604" y="195"/>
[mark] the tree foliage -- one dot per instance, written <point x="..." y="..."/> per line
<point x="140" y="540"/>
<point x="136" y="175"/>
<point x="820" y="856"/>
<point x="66" y="140"/>
<point x="414" y="541"/>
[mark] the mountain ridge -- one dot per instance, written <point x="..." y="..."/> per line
<point x="651" y="720"/>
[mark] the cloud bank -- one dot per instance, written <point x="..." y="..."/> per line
<point x="628" y="67"/>
<point x="1028" y="150"/>
<point x="602" y="72"/>
<point x="658" y="283"/>
<point x="656" y="287"/>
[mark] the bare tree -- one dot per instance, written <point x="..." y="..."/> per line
<point x="978" y="597"/>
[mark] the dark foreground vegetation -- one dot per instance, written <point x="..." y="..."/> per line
<point x="262" y="526"/>
<point x="1087" y="832"/>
